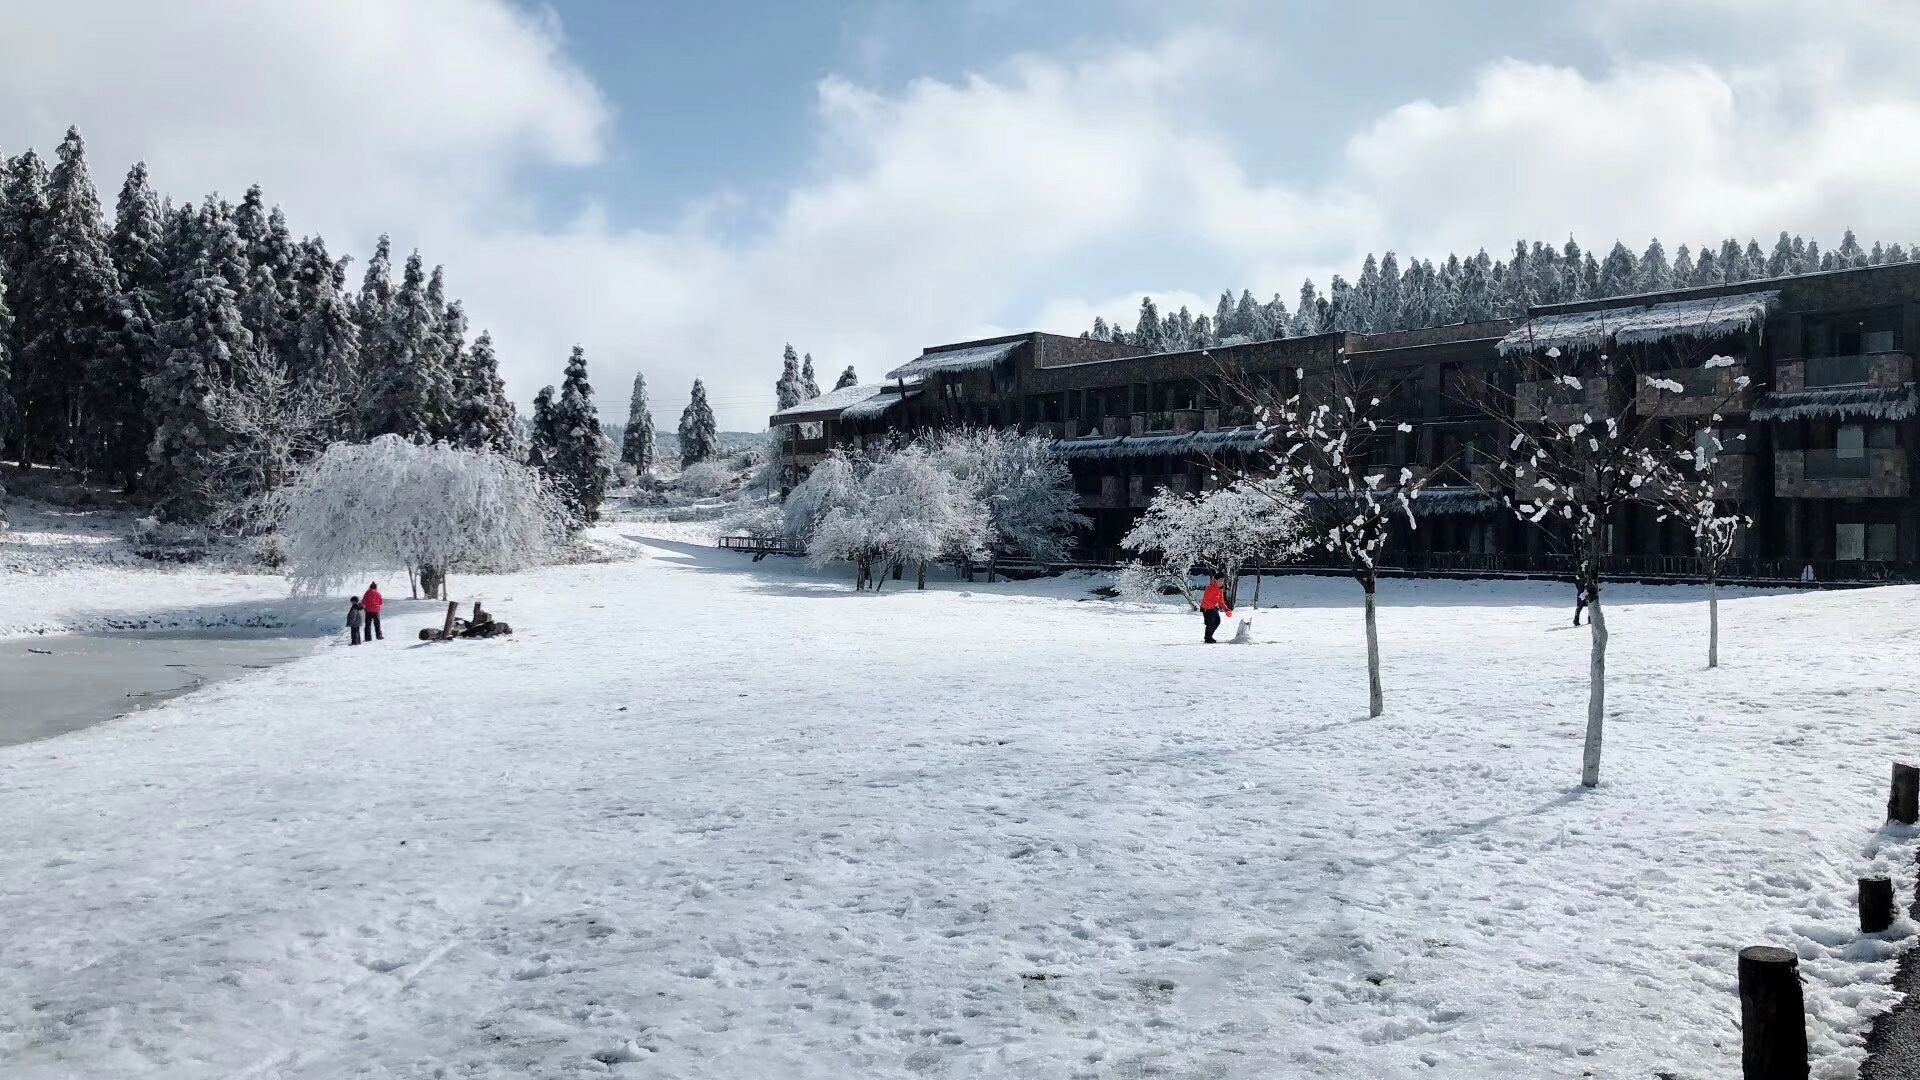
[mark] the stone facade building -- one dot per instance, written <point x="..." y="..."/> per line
<point x="1812" y="378"/>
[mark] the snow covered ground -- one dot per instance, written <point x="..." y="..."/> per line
<point x="701" y="817"/>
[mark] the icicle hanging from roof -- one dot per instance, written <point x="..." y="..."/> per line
<point x="1578" y="331"/>
<point x="1854" y="403"/>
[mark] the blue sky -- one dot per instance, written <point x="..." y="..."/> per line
<point x="684" y="188"/>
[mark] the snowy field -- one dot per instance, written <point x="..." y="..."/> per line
<point x="705" y="818"/>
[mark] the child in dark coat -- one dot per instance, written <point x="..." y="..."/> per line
<point x="356" y="615"/>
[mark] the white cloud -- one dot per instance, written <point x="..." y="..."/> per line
<point x="948" y="209"/>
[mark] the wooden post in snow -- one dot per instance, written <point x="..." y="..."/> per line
<point x="1903" y="803"/>
<point x="1773" y="1015"/>
<point x="447" y="630"/>
<point x="1876" y="904"/>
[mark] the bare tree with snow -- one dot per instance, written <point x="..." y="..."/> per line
<point x="1586" y="430"/>
<point x="393" y="504"/>
<point x="902" y="509"/>
<point x="269" y="423"/>
<point x="1699" y="500"/>
<point x="1330" y="446"/>
<point x="1024" y="490"/>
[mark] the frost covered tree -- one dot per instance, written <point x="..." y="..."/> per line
<point x="268" y="423"/>
<point x="1330" y="447"/>
<point x="847" y="378"/>
<point x="203" y="344"/>
<point x="1581" y="451"/>
<point x="1024" y="490"/>
<point x="412" y="505"/>
<point x="374" y="306"/>
<point x="326" y="347"/>
<point x="699" y="434"/>
<point x="787" y="389"/>
<point x="1620" y="271"/>
<point x="410" y="391"/>
<point x="1221" y="531"/>
<point x="544" y="437"/>
<point x="579" y="461"/>
<point x="1654" y="274"/>
<point x="828" y="484"/>
<point x="809" y="386"/>
<point x="119" y="374"/>
<point x="483" y="417"/>
<point x="636" y="444"/>
<point x="1147" y="331"/>
<point x="1306" y="317"/>
<point x="903" y="510"/>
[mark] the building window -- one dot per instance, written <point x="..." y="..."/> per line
<point x="813" y="430"/>
<point x="1850" y="541"/>
<point x="1881" y="538"/>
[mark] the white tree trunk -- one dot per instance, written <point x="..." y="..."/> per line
<point x="1376" y="699"/>
<point x="1713" y="624"/>
<point x="1596" y="693"/>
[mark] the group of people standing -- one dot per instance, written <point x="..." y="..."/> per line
<point x="363" y="611"/>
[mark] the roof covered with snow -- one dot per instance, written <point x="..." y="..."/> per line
<point x="1193" y="442"/>
<point x="1858" y="402"/>
<point x="970" y="358"/>
<point x="868" y="398"/>
<point x="1707" y="317"/>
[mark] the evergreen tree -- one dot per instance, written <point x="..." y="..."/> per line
<point x="1707" y="271"/>
<point x="1342" y="305"/>
<point x="1802" y="263"/>
<point x="327" y="341"/>
<point x="203" y="343"/>
<point x="373" y="310"/>
<point x="1248" y="320"/>
<point x="1877" y="256"/>
<point x="1147" y="332"/>
<point x="543" y="445"/>
<point x="1620" y="271"/>
<point x="1521" y="289"/>
<point x="1416" y="295"/>
<point x="1225" y="323"/>
<point x="1100" y="332"/>
<point x="437" y="292"/>
<point x="1277" y="319"/>
<point x="409" y="391"/>
<point x="1783" y="261"/>
<point x="1682" y="268"/>
<point x="1387" y="306"/>
<point x="788" y="390"/>
<point x="637" y="445"/>
<point x="9" y="416"/>
<point x="579" y="460"/>
<point x="1732" y="261"/>
<point x="485" y="419"/>
<point x="1896" y="253"/>
<point x="250" y="222"/>
<point x="75" y="272"/>
<point x="138" y="249"/>
<point x="809" y="387"/>
<point x="1573" y="285"/>
<point x="1476" y="284"/>
<point x="1755" y="261"/>
<point x="1446" y="293"/>
<point x="848" y="378"/>
<point x="699" y="435"/>
<point x="1654" y="274"/>
<point x="1203" y="336"/>
<point x="1849" y="253"/>
<point x="1306" y="317"/>
<point x="1366" y="298"/>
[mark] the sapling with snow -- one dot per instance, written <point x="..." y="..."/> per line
<point x="1329" y="446"/>
<point x="1696" y="501"/>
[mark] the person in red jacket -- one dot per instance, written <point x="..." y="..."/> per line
<point x="371" y="602"/>
<point x="1213" y="602"/>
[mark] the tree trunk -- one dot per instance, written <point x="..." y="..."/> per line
<point x="1376" y="698"/>
<point x="1713" y="621"/>
<point x="920" y="580"/>
<point x="1596" y="693"/>
<point x="1256" y="590"/>
<point x="413" y="585"/>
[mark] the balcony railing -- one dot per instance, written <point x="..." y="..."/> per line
<point x="1159" y="421"/>
<point x="1823" y="371"/>
<point x="1838" y="465"/>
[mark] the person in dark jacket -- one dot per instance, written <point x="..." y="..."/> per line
<point x="356" y="617"/>
<point x="1213" y="603"/>
<point x="372" y="601"/>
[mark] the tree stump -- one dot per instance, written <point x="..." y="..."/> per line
<point x="1903" y="804"/>
<point x="1876" y="904"/>
<point x="1773" y="1015"/>
<point x="446" y="631"/>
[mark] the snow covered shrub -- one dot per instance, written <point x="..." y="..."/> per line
<point x="392" y="505"/>
<point x="832" y="482"/>
<point x="1139" y="583"/>
<point x="706" y="479"/>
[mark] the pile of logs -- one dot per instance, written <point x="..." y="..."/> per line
<point x="482" y="625"/>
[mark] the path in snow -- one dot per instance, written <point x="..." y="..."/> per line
<point x="704" y="818"/>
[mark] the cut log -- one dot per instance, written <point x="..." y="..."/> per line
<point x="1773" y="1015"/>
<point x="446" y="631"/>
<point x="1903" y="803"/>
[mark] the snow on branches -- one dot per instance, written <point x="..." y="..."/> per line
<point x="392" y="504"/>
<point x="1024" y="489"/>
<point x="1220" y="531"/>
<point x="901" y="509"/>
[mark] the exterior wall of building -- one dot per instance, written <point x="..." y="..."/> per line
<point x="1811" y="499"/>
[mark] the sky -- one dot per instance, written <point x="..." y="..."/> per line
<point x="683" y="189"/>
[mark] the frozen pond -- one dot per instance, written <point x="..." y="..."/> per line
<point x="60" y="683"/>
